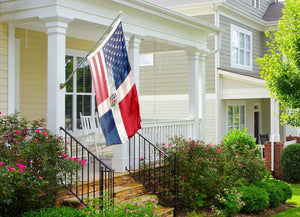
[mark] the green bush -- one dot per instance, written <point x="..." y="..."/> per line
<point x="244" y="164"/>
<point x="32" y="166"/>
<point x="256" y="199"/>
<point x="55" y="212"/>
<point x="284" y="187"/>
<point x="290" y="163"/>
<point x="276" y="195"/>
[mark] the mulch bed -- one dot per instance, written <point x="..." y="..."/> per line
<point x="267" y="212"/>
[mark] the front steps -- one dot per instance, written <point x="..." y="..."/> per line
<point x="125" y="189"/>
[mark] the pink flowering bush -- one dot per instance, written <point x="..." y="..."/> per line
<point x="202" y="167"/>
<point x="32" y="165"/>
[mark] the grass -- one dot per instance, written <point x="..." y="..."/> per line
<point x="295" y="200"/>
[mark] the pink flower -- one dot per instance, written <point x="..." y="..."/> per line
<point x="141" y="159"/>
<point x="163" y="144"/>
<point x="169" y="145"/>
<point x="161" y="154"/>
<point x="20" y="165"/>
<point x="74" y="158"/>
<point x="240" y="152"/>
<point x="38" y="131"/>
<point x="219" y="150"/>
<point x="215" y="158"/>
<point x="68" y="142"/>
<point x="11" y="168"/>
<point x="17" y="131"/>
<point x="40" y="177"/>
<point x="21" y="171"/>
<point x="1" y="163"/>
<point x="83" y="162"/>
<point x="0" y="113"/>
<point x="9" y="135"/>
<point x="240" y="164"/>
<point x="209" y="145"/>
<point x="64" y="155"/>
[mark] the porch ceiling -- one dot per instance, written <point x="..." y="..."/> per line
<point x="88" y="19"/>
<point x="237" y="86"/>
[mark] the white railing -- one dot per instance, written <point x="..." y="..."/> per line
<point x="159" y="132"/>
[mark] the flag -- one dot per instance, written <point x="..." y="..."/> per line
<point x="116" y="94"/>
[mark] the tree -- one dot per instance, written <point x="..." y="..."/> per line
<point x="280" y="67"/>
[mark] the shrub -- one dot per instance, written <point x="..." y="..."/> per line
<point x="275" y="193"/>
<point x="284" y="187"/>
<point x="244" y="164"/>
<point x="230" y="203"/>
<point x="55" y="212"/>
<point x="32" y="166"/>
<point x="256" y="199"/>
<point x="199" y="173"/>
<point x="290" y="163"/>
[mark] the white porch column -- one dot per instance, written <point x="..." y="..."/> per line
<point x="275" y="136"/>
<point x="11" y="70"/>
<point x="197" y="91"/>
<point x="134" y="58"/>
<point x="56" y="31"/>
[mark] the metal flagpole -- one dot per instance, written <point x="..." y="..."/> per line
<point x="62" y="85"/>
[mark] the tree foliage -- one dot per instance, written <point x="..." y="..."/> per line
<point x="280" y="67"/>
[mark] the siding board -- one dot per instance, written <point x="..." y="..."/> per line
<point x="3" y="68"/>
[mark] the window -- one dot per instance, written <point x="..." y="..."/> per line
<point x="241" y="48"/>
<point x="80" y="95"/>
<point x="236" y="116"/>
<point x="146" y="59"/>
<point x="255" y="3"/>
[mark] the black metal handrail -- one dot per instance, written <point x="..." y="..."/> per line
<point x="156" y="170"/>
<point x="93" y="179"/>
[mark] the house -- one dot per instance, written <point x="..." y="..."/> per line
<point x="235" y="94"/>
<point x="42" y="42"/>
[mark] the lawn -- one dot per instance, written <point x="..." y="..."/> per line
<point x="295" y="200"/>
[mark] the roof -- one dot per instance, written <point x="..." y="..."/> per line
<point x="274" y="12"/>
<point x="249" y="74"/>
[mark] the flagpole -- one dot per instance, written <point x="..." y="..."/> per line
<point x="62" y="85"/>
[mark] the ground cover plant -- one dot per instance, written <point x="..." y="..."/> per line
<point x="32" y="165"/>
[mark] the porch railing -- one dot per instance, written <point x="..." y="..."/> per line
<point x="161" y="131"/>
<point x="94" y="179"/>
<point x="155" y="169"/>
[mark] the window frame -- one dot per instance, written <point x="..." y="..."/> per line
<point x="246" y="34"/>
<point x="227" y="116"/>
<point x="74" y="94"/>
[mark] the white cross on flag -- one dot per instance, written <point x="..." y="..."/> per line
<point x="116" y="93"/>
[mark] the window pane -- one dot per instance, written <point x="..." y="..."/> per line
<point x="248" y="42"/>
<point x="84" y="79"/>
<point x="230" y="115"/>
<point x="236" y="115"/>
<point x="68" y="112"/>
<point x="242" y="57"/>
<point x="235" y="39"/>
<point x="83" y="106"/>
<point x="69" y="70"/>
<point x="235" y="55"/>
<point x="248" y="58"/>
<point x="242" y="115"/>
<point x="242" y="40"/>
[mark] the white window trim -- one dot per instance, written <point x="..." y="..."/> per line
<point x="149" y="62"/>
<point x="235" y="104"/>
<point x="236" y="65"/>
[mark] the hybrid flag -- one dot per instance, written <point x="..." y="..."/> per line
<point x="116" y="93"/>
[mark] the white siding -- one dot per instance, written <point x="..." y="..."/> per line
<point x="3" y="68"/>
